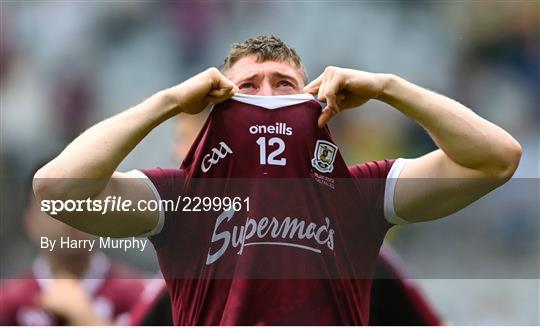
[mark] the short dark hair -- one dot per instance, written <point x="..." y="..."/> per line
<point x="265" y="47"/>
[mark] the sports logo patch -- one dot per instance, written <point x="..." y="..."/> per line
<point x="324" y="156"/>
<point x="214" y="156"/>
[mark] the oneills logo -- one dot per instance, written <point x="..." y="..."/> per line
<point x="215" y="155"/>
<point x="324" y="156"/>
<point x="278" y="128"/>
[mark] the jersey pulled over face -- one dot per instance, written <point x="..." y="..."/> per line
<point x="271" y="225"/>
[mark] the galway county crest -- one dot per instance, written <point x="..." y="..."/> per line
<point x="324" y="156"/>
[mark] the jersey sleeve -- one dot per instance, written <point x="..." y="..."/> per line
<point x="166" y="184"/>
<point x="380" y="178"/>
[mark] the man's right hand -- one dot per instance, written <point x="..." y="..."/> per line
<point x="95" y="155"/>
<point x="195" y="94"/>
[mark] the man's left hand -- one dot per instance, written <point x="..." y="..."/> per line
<point x="343" y="88"/>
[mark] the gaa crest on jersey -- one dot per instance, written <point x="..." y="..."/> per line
<point x="324" y="156"/>
<point x="215" y="155"/>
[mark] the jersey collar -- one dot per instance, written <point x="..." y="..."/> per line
<point x="274" y="102"/>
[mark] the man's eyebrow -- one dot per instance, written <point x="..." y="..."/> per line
<point x="249" y="77"/>
<point x="284" y="76"/>
<point x="274" y="74"/>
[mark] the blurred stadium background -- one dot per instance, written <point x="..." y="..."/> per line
<point x="65" y="65"/>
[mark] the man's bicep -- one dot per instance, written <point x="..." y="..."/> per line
<point x="119" y="210"/>
<point x="434" y="186"/>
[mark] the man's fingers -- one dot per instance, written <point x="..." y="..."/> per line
<point x="313" y="86"/>
<point x="225" y="90"/>
<point x="217" y="96"/>
<point x="331" y="90"/>
<point x="216" y="93"/>
<point x="320" y="93"/>
<point x="217" y="100"/>
<point x="331" y="103"/>
<point x="325" y="116"/>
<point x="220" y="82"/>
<point x="329" y="86"/>
<point x="312" y="91"/>
<point x="229" y="85"/>
<point x="226" y="85"/>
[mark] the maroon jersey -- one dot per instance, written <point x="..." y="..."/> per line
<point x="396" y="300"/>
<point x="112" y="294"/>
<point x="304" y="249"/>
<point x="153" y="307"/>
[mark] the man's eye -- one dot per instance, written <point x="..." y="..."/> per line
<point x="285" y="83"/>
<point x="247" y="86"/>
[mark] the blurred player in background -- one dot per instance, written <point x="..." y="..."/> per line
<point x="153" y="307"/>
<point x="396" y="300"/>
<point x="474" y="157"/>
<point x="67" y="286"/>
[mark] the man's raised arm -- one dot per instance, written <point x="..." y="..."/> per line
<point x="474" y="157"/>
<point x="86" y="168"/>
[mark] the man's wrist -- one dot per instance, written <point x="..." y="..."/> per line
<point x="164" y="104"/>
<point x="168" y="100"/>
<point x="388" y="83"/>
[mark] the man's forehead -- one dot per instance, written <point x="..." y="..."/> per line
<point x="250" y="66"/>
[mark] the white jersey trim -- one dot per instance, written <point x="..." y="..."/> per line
<point x="274" y="102"/>
<point x="161" y="220"/>
<point x="389" y="192"/>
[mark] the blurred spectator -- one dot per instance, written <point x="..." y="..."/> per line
<point x="193" y="24"/>
<point x="504" y="46"/>
<point x="73" y="100"/>
<point x="67" y="286"/>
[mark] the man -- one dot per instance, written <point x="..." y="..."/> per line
<point x="67" y="286"/>
<point x="395" y="300"/>
<point x="475" y="157"/>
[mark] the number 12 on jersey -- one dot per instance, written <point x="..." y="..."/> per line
<point x="272" y="158"/>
